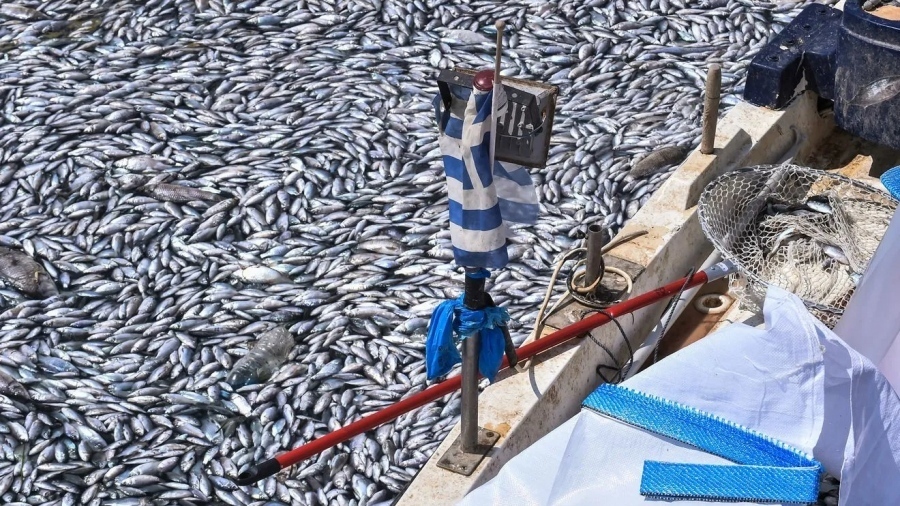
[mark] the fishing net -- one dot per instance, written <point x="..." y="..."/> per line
<point x="807" y="231"/>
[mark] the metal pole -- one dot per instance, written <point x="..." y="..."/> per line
<point x="500" y="25"/>
<point x="711" y="108"/>
<point x="469" y="415"/>
<point x="597" y="238"/>
<point x="473" y="299"/>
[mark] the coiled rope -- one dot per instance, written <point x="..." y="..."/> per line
<point x="572" y="293"/>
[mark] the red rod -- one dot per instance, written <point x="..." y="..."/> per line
<point x="435" y="392"/>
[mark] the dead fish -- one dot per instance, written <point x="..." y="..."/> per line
<point x="783" y="237"/>
<point x="19" y="12"/>
<point x="834" y="252"/>
<point x="870" y="5"/>
<point x="128" y="181"/>
<point x="877" y="92"/>
<point x="25" y="274"/>
<point x="178" y="193"/>
<point x="656" y="161"/>
<point x="12" y="388"/>
<point x="141" y="162"/>
<point x="382" y="246"/>
<point x="819" y="206"/>
<point x="465" y="37"/>
<point x="261" y="274"/>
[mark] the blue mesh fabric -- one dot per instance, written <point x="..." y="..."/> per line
<point x="771" y="471"/>
<point x="891" y="181"/>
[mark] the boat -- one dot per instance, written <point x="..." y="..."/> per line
<point x="523" y="408"/>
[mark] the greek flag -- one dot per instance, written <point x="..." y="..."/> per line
<point x="484" y="197"/>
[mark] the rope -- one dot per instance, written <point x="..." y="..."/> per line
<point x="768" y="471"/>
<point x="540" y="319"/>
<point x="576" y="275"/>
<point x="583" y="289"/>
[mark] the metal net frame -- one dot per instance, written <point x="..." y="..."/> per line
<point x="808" y="231"/>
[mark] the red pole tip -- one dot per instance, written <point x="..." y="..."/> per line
<point x="484" y="80"/>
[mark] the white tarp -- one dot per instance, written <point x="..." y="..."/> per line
<point x="795" y="381"/>
<point x="871" y="322"/>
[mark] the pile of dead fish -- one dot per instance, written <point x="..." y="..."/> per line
<point x="187" y="174"/>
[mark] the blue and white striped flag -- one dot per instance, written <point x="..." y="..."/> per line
<point x="484" y="198"/>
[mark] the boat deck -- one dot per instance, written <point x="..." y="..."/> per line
<point x="524" y="407"/>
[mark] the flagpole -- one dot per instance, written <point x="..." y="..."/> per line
<point x="497" y="88"/>
<point x="510" y="350"/>
<point x="474" y="298"/>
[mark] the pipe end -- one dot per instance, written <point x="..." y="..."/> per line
<point x="599" y="231"/>
<point x="258" y="472"/>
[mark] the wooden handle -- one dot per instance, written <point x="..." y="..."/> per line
<point x="711" y="108"/>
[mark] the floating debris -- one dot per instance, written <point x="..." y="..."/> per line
<point x="657" y="161"/>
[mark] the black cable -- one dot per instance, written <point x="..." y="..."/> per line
<point x="600" y="307"/>
<point x="620" y="370"/>
<point x="672" y="302"/>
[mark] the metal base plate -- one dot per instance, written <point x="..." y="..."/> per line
<point x="455" y="460"/>
<point x="612" y="286"/>
<point x="611" y="291"/>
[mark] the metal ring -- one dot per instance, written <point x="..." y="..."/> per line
<point x="712" y="303"/>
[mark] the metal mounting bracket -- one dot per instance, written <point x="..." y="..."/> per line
<point x="801" y="57"/>
<point x="459" y="462"/>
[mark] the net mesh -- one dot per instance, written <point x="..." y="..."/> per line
<point x="808" y="231"/>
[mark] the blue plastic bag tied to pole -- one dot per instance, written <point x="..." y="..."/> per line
<point x="452" y="317"/>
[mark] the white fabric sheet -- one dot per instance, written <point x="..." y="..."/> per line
<point x="795" y="381"/>
<point x="871" y="321"/>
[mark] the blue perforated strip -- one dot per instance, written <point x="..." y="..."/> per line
<point x="730" y="483"/>
<point x="891" y="181"/>
<point x="771" y="472"/>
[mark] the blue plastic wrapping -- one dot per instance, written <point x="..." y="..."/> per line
<point x="452" y="317"/>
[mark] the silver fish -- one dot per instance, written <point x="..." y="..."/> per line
<point x="313" y="121"/>
<point x="835" y="253"/>
<point x="177" y="193"/>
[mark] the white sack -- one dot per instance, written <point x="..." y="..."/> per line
<point x="871" y="322"/>
<point x="793" y="381"/>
